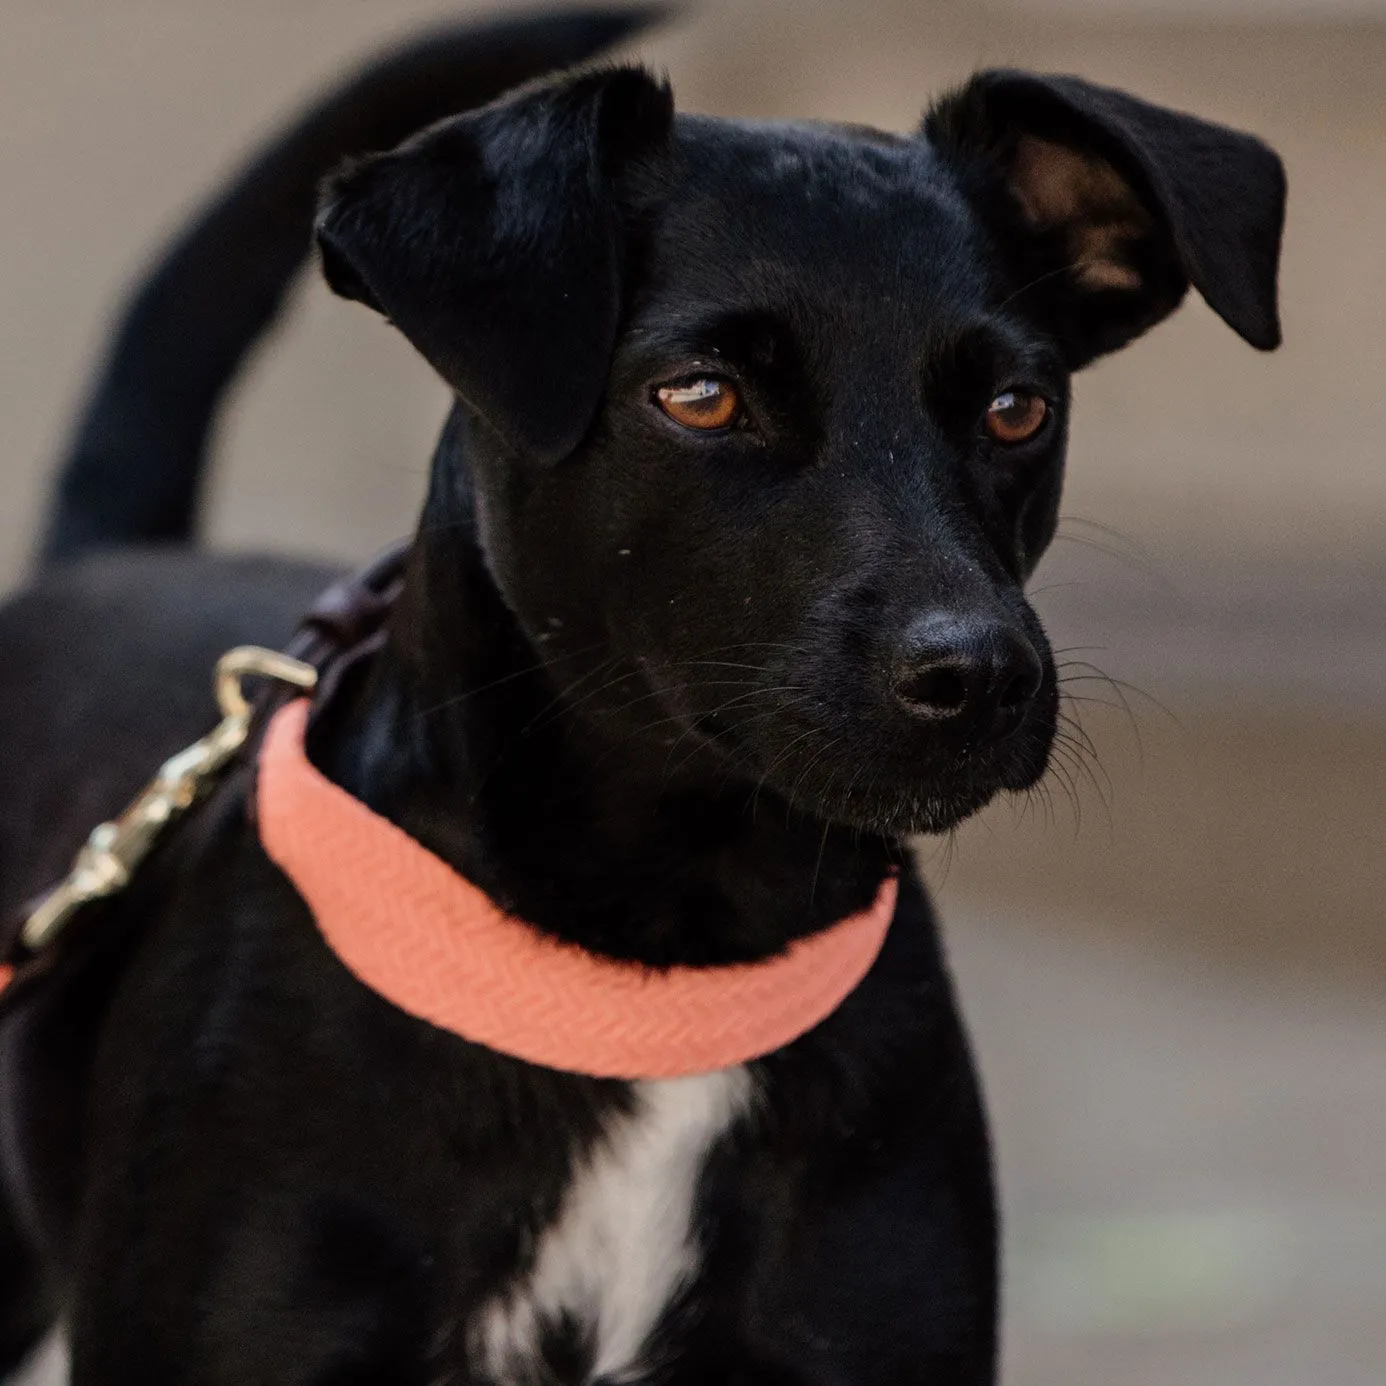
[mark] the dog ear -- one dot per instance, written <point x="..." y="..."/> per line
<point x="1113" y="206"/>
<point x="493" y="242"/>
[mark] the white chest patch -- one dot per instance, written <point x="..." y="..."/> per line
<point x="621" y="1246"/>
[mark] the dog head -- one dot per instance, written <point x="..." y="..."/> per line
<point x="766" y="422"/>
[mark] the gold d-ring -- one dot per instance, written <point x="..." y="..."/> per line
<point x="254" y="661"/>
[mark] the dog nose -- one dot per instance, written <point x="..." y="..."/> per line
<point x="981" y="670"/>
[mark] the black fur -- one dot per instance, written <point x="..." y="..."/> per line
<point x="648" y="688"/>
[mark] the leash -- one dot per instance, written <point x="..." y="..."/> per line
<point x="344" y="625"/>
<point x="415" y="931"/>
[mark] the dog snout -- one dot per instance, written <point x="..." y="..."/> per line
<point x="978" y="673"/>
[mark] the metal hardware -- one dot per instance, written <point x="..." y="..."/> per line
<point x="114" y="850"/>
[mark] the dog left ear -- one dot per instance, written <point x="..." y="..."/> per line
<point x="494" y="242"/>
<point x="1112" y="207"/>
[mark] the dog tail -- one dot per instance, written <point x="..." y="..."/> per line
<point x="133" y="469"/>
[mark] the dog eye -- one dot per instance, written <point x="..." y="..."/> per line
<point x="1016" y="416"/>
<point x="707" y="403"/>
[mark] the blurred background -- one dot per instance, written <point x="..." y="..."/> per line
<point x="1174" y="962"/>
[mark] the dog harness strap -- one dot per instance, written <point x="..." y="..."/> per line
<point x="429" y="941"/>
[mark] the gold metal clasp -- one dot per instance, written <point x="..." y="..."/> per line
<point x="115" y="849"/>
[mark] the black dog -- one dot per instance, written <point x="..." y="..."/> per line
<point x="717" y="597"/>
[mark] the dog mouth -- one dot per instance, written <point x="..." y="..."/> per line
<point x="836" y="739"/>
<point x="883" y="778"/>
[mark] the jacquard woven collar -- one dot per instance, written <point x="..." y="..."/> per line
<point x="413" y="930"/>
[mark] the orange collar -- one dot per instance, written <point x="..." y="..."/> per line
<point x="409" y="927"/>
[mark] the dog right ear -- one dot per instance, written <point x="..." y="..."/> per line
<point x="493" y="241"/>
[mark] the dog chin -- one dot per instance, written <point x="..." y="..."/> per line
<point x="896" y="805"/>
<point x="905" y="812"/>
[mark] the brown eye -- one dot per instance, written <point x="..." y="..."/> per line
<point x="706" y="403"/>
<point x="1015" y="416"/>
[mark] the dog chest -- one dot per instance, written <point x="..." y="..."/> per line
<point x="622" y="1245"/>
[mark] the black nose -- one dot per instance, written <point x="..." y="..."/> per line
<point x="981" y="670"/>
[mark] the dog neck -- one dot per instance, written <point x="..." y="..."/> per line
<point x="463" y="736"/>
